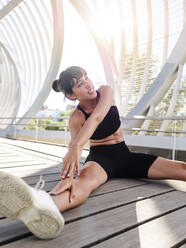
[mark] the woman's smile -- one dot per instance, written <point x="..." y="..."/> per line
<point x="91" y="91"/>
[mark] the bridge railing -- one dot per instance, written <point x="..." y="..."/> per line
<point x="16" y="130"/>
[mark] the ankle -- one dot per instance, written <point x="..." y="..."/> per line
<point x="55" y="200"/>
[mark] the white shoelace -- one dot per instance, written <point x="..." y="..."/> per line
<point x="40" y="184"/>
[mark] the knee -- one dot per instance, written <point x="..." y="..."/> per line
<point x="182" y="165"/>
<point x="90" y="179"/>
<point x="181" y="171"/>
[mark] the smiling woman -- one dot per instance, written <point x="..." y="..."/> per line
<point x="96" y="119"/>
<point x="123" y="37"/>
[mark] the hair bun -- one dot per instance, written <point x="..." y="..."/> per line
<point x="55" y="85"/>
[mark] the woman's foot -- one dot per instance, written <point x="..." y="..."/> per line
<point x="34" y="207"/>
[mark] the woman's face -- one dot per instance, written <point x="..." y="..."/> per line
<point x="84" y="89"/>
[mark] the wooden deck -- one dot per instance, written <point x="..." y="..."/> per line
<point x="121" y="213"/>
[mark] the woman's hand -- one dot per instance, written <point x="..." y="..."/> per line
<point x="66" y="184"/>
<point x="71" y="162"/>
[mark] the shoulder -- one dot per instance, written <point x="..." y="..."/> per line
<point x="77" y="118"/>
<point x="105" y="88"/>
<point x="107" y="92"/>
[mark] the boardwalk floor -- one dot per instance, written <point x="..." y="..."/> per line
<point x="121" y="213"/>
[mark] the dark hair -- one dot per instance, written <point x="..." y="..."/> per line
<point x="67" y="78"/>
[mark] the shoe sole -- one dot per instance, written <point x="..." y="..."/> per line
<point x="16" y="202"/>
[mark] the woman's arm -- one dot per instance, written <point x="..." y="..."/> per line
<point x="72" y="157"/>
<point x="105" y="102"/>
<point x="75" y="124"/>
<point x="81" y="134"/>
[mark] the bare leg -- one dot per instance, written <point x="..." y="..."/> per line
<point x="91" y="177"/>
<point x="163" y="168"/>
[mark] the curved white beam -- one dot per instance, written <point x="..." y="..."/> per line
<point x="58" y="27"/>
<point x="184" y="10"/>
<point x="147" y="65"/>
<point x="9" y="7"/>
<point x="37" y="63"/>
<point x="163" y="81"/>
<point x="166" y="39"/>
<point x="122" y="58"/>
<point x="131" y="82"/>
<point x="12" y="90"/>
<point x="149" y="50"/>
<point x="172" y="105"/>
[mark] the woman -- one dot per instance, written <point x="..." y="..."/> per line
<point x="96" y="118"/>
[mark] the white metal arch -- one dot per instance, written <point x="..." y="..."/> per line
<point x="10" y="83"/>
<point x="163" y="81"/>
<point x="37" y="52"/>
<point x="116" y="71"/>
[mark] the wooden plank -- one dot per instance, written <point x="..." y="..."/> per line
<point x="16" y="231"/>
<point x="24" y="163"/>
<point x="7" y="155"/>
<point x="30" y="158"/>
<point x="50" y="151"/>
<point x="113" y="185"/>
<point x="102" y="207"/>
<point x="16" y="155"/>
<point x="4" y="150"/>
<point x="35" y="154"/>
<point x="176" y="184"/>
<point x="32" y="180"/>
<point x="105" y="224"/>
<point x="4" y="153"/>
<point x="17" y="159"/>
<point x="115" y="199"/>
<point x="36" y="171"/>
<point x="166" y="231"/>
<point x="118" y="184"/>
<point x="108" y="187"/>
<point x="28" y="167"/>
<point x="37" y="148"/>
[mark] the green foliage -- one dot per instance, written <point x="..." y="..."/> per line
<point x="49" y="124"/>
<point x="58" y="126"/>
<point x="30" y="126"/>
<point x="68" y="113"/>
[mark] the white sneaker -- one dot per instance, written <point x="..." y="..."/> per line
<point x="34" y="207"/>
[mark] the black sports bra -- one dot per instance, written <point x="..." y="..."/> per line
<point x="108" y="126"/>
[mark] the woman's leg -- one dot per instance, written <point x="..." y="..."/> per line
<point x="37" y="209"/>
<point x="163" y="168"/>
<point x="91" y="177"/>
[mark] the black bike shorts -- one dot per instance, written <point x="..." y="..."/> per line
<point x="119" y="162"/>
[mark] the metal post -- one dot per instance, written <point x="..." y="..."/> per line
<point x="15" y="134"/>
<point x="174" y="140"/>
<point x="36" y="133"/>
